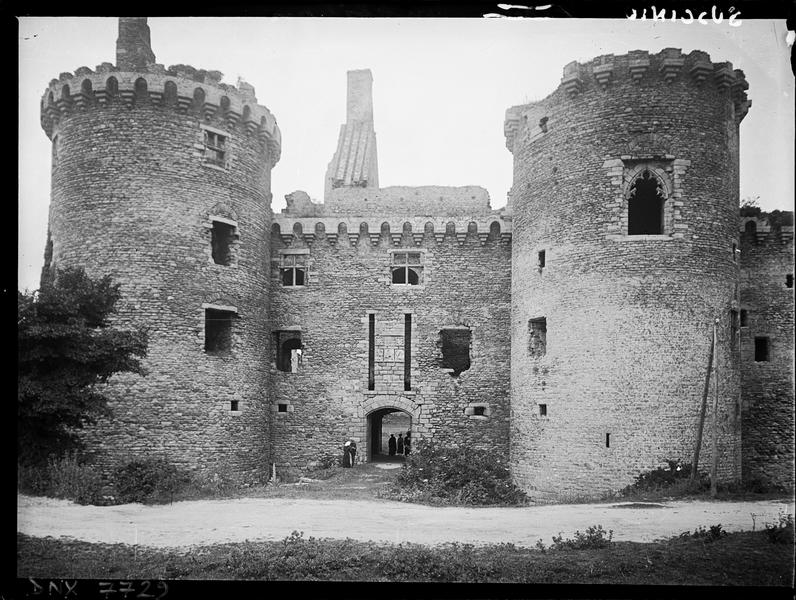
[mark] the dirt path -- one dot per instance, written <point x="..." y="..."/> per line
<point x="211" y="522"/>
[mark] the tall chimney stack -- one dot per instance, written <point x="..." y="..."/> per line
<point x="133" y="49"/>
<point x="360" y="96"/>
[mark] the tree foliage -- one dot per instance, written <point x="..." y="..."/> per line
<point x="67" y="348"/>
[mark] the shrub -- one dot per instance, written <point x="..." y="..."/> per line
<point x="595" y="537"/>
<point x="674" y="478"/>
<point x="715" y="532"/>
<point x="148" y="480"/>
<point x="65" y="477"/>
<point x="780" y="532"/>
<point x="450" y="475"/>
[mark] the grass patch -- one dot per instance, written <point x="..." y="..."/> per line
<point x="65" y="476"/>
<point x="746" y="558"/>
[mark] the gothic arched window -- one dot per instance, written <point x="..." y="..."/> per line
<point x="645" y="205"/>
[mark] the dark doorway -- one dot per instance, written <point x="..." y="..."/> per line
<point x="382" y="423"/>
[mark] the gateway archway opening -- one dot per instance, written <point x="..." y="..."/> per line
<point x="382" y="423"/>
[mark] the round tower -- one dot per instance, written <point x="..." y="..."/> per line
<point x="625" y="214"/>
<point x="161" y="178"/>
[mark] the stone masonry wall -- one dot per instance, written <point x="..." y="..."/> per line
<point x="629" y="318"/>
<point x="465" y="283"/>
<point x="134" y="197"/>
<point x="429" y="201"/>
<point x="767" y="386"/>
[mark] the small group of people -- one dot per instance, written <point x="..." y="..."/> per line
<point x="402" y="446"/>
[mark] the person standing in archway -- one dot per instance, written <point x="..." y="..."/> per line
<point x="400" y="444"/>
<point x="407" y="443"/>
<point x="391" y="444"/>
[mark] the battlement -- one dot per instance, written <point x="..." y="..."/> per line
<point x="668" y="67"/>
<point x="766" y="228"/>
<point x="418" y="231"/>
<point x="179" y="87"/>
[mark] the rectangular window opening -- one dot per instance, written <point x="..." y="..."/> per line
<point x="607" y="440"/>
<point x="218" y="330"/>
<point x="762" y="349"/>
<point x="734" y="252"/>
<point x="222" y="236"/>
<point x="789" y="280"/>
<point x="215" y="147"/>
<point x="543" y="410"/>
<point x="371" y="351"/>
<point x="537" y="336"/>
<point x="281" y="408"/>
<point x="455" y="345"/>
<point x="294" y="270"/>
<point x="233" y="405"/>
<point x="479" y="411"/>
<point x="541" y="259"/>
<point x="407" y="352"/>
<point x="289" y="351"/>
<point x="744" y="317"/>
<point x="407" y="268"/>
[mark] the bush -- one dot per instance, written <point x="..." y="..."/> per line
<point x="780" y="532"/>
<point x="595" y="537"/>
<point x="63" y="477"/>
<point x="715" y="532"/>
<point x="149" y="480"/>
<point x="674" y="478"/>
<point x="445" y="475"/>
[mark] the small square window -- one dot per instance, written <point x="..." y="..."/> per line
<point x="281" y="408"/>
<point x="233" y="405"/>
<point x="789" y="280"/>
<point x="479" y="411"/>
<point x="215" y="148"/>
<point x="407" y="268"/>
<point x="543" y="410"/>
<point x="293" y="270"/>
<point x="762" y="349"/>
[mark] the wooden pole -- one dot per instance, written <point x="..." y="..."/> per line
<point x="698" y="444"/>
<point x="715" y="461"/>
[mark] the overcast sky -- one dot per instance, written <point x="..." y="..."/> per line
<point x="440" y="91"/>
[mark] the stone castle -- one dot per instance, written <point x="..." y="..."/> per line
<point x="568" y="332"/>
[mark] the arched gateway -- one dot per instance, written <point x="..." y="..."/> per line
<point x="385" y="416"/>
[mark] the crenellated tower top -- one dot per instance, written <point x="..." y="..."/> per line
<point x="137" y="79"/>
<point x="669" y="68"/>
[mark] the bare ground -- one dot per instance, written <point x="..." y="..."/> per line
<point x="347" y="508"/>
